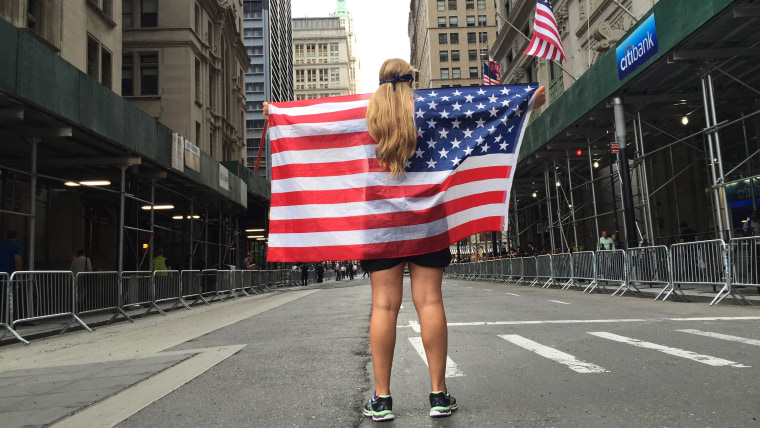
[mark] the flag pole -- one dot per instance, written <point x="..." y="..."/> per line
<point x="528" y="39"/>
<point x="261" y="146"/>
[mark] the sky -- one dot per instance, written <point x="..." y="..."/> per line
<point x="381" y="31"/>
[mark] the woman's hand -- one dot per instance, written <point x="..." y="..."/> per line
<point x="540" y="97"/>
<point x="266" y="110"/>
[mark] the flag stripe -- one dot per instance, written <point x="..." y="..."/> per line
<point x="546" y="41"/>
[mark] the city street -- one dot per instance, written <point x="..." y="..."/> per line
<point x="519" y="357"/>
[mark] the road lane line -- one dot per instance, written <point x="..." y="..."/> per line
<point x="486" y="289"/>
<point x="558" y="301"/>
<point x="513" y="294"/>
<point x="676" y="352"/>
<point x="723" y="337"/>
<point x="552" y="354"/>
<point x="451" y="366"/>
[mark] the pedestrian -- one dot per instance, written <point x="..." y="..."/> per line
<point x="605" y="242"/>
<point x="337" y="271"/>
<point x="304" y="275"/>
<point x="160" y="262"/>
<point x="752" y="225"/>
<point x="644" y="242"/>
<point x="81" y="263"/>
<point x="615" y="244"/>
<point x="10" y="254"/>
<point x="248" y="262"/>
<point x="320" y="273"/>
<point x="687" y="234"/>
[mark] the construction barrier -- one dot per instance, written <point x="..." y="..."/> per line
<point x="39" y="295"/>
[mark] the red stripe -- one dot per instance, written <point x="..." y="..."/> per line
<point x="372" y="193"/>
<point x="313" y="142"/>
<point x="389" y="220"/>
<point x="327" y="117"/>
<point x="386" y="249"/>
<point x="334" y="169"/>
<point x="315" y="101"/>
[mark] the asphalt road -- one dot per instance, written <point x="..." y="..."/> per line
<point x="519" y="357"/>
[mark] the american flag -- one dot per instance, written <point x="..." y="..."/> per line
<point x="491" y="72"/>
<point x="546" y="41"/>
<point x="331" y="200"/>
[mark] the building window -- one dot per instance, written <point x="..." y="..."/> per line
<point x="148" y="13"/>
<point x="197" y="80"/>
<point x="472" y="37"/>
<point x="441" y="4"/>
<point x="93" y="57"/>
<point x="311" y="49"/>
<point x="481" y="4"/>
<point x="198" y="133"/>
<point x="443" y="38"/>
<point x="441" y="22"/>
<point x="483" y="37"/>
<point x="127" y="76"/>
<point x="197" y="19"/>
<point x="474" y="73"/>
<point x="323" y="49"/>
<point x="454" y="38"/>
<point x="472" y="54"/>
<point x="471" y="21"/>
<point x="453" y="21"/>
<point x="149" y="74"/>
<point x="443" y="56"/>
<point x="105" y="68"/>
<point x="456" y="73"/>
<point x="444" y="73"/>
<point x="335" y="74"/>
<point x="470" y="4"/>
<point x="298" y="49"/>
<point x="484" y="54"/>
<point x="127" y="14"/>
<point x="482" y="21"/>
<point x="455" y="55"/>
<point x="452" y="4"/>
<point x="299" y="76"/>
<point x="334" y="49"/>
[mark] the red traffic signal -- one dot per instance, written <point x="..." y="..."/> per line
<point x="579" y="152"/>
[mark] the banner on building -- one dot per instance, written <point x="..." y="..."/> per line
<point x="192" y="156"/>
<point x="224" y="177"/>
<point x="178" y="152"/>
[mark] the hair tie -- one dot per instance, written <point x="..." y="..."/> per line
<point x="397" y="78"/>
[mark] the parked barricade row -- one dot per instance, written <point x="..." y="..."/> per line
<point x="745" y="264"/>
<point x="530" y="271"/>
<point x="39" y="295"/>
<point x="584" y="269"/>
<point x="6" y="308"/>
<point x="516" y="270"/>
<point x="544" y="271"/>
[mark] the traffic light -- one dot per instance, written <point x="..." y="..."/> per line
<point x="579" y="152"/>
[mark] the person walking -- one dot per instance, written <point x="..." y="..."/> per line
<point x="304" y="275"/>
<point x="160" y="262"/>
<point x="605" y="242"/>
<point x="81" y="263"/>
<point x="10" y="254"/>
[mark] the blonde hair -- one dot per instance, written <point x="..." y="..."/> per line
<point x="390" y="118"/>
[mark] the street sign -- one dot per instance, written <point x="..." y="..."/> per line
<point x="614" y="148"/>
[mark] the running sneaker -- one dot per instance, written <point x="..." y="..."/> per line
<point x="380" y="408"/>
<point x="442" y="404"/>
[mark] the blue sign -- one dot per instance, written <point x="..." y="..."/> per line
<point x="637" y="48"/>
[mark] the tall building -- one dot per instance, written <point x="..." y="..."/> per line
<point x="267" y="36"/>
<point x="183" y="63"/>
<point x="450" y="40"/>
<point x="324" y="60"/>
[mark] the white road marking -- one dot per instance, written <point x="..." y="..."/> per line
<point x="487" y="289"/>
<point x="513" y="294"/>
<point x="557" y="301"/>
<point x="676" y="352"/>
<point x="723" y="337"/>
<point x="451" y="366"/>
<point x="414" y="325"/>
<point x="116" y="408"/>
<point x="600" y="321"/>
<point x="402" y="306"/>
<point x="714" y="319"/>
<point x="552" y="354"/>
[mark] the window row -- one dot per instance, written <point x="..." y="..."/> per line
<point x="472" y="55"/>
<point x="456" y="73"/>
<point x="324" y="75"/>
<point x="139" y="74"/>
<point x="320" y="49"/>
<point x="468" y="4"/>
<point x="315" y="60"/>
<point x="453" y="38"/>
<point x="453" y="21"/>
<point x="139" y="13"/>
<point x="320" y="86"/>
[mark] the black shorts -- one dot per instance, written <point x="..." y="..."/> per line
<point x="439" y="259"/>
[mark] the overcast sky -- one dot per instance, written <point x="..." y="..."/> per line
<point x="381" y="31"/>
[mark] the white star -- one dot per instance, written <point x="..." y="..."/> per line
<point x="480" y="106"/>
<point x="431" y="123"/>
<point x="492" y="129"/>
<point x="468" y="151"/>
<point x="432" y="105"/>
<point x="468" y="98"/>
<point x="419" y="113"/>
<point x="434" y="94"/>
<point x="481" y="123"/>
<point x="518" y="112"/>
<point x="505" y="91"/>
<point x="485" y="148"/>
<point x="457" y="93"/>
<point x="510" y="129"/>
<point x="444" y="114"/>
<point x="493" y="99"/>
<point x="505" y="119"/>
<point x="456" y="105"/>
<point x="503" y="146"/>
<point x="431" y="163"/>
<point x="407" y="164"/>
<point x="468" y="133"/>
<point x="444" y="98"/>
<point x="480" y="140"/>
<point x="420" y="98"/>
<point x="469" y="113"/>
<point x="444" y="153"/>
<point x="481" y="91"/>
<point x="456" y="161"/>
<point x="420" y="131"/>
<point x="528" y="89"/>
<point x="456" y="123"/>
<point x="455" y="144"/>
<point x="444" y="133"/>
<point x="498" y="138"/>
<point x="419" y="153"/>
<point x="505" y="103"/>
<point x="431" y="143"/>
<point x="494" y="112"/>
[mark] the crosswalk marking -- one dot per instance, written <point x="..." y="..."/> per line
<point x="451" y="366"/>
<point x="554" y="355"/>
<point x="558" y="301"/>
<point x="704" y="359"/>
<point x="723" y="336"/>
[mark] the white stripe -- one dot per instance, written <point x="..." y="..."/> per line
<point x="319" y="108"/>
<point x="676" y="352"/>
<point x="744" y="340"/>
<point x="715" y="319"/>
<point x="513" y="294"/>
<point x="486" y="323"/>
<point x="319" y="128"/>
<point x="415" y="326"/>
<point x="451" y="366"/>
<point x="323" y="155"/>
<point x="557" y="301"/>
<point x="552" y="354"/>
<point x="487" y="289"/>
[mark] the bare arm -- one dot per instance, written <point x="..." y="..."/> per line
<point x="266" y="110"/>
<point x="19" y="262"/>
<point x="540" y="97"/>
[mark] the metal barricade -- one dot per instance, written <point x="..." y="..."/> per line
<point x="651" y="265"/>
<point x="530" y="270"/>
<point x="516" y="269"/>
<point x="703" y="263"/>
<point x="6" y="308"/>
<point x="562" y="269"/>
<point x="250" y="282"/>
<point x="167" y="286"/>
<point x="39" y="295"/>
<point x="223" y="285"/>
<point x="505" y="270"/>
<point x="745" y="263"/>
<point x="493" y="270"/>
<point x="610" y="269"/>
<point x="584" y="269"/>
<point x="137" y="290"/>
<point x="544" y="270"/>
<point x="192" y="286"/>
<point x="238" y="287"/>
<point x="99" y="292"/>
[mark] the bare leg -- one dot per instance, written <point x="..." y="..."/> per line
<point x="428" y="300"/>
<point x="387" y="290"/>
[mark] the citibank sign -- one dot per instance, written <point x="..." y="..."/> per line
<point x="637" y="48"/>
